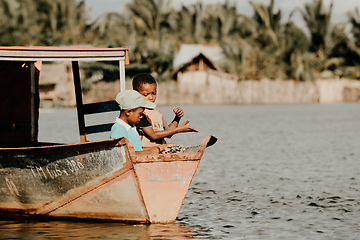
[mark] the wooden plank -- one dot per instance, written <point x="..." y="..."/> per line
<point x="122" y="75"/>
<point x="33" y="103"/>
<point x="79" y="102"/>
<point x="100" y="107"/>
<point x="106" y="127"/>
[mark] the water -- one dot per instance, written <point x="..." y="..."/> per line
<point x="277" y="172"/>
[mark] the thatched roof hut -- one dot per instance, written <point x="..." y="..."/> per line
<point x="197" y="57"/>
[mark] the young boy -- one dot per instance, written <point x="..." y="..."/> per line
<point x="155" y="132"/>
<point x="132" y="105"/>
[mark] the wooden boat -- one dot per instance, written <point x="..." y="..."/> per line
<point x="101" y="180"/>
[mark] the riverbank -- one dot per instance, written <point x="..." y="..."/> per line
<point x="244" y="92"/>
<point x="206" y="87"/>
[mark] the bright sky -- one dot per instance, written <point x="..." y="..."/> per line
<point x="340" y="8"/>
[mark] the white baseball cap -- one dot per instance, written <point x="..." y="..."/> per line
<point x="130" y="99"/>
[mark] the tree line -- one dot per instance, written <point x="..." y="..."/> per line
<point x="255" y="46"/>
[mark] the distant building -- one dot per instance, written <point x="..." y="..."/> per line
<point x="197" y="57"/>
<point x="56" y="84"/>
<point x="196" y="67"/>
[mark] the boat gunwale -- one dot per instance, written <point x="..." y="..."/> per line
<point x="93" y="145"/>
<point x="193" y="156"/>
<point x="62" y="148"/>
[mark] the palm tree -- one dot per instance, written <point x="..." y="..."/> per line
<point x="295" y="45"/>
<point x="45" y="22"/>
<point x="354" y="18"/>
<point x="113" y="29"/>
<point x="268" y="24"/>
<point x="222" y="22"/>
<point x="343" y="53"/>
<point x="65" y="19"/>
<point x="263" y="34"/>
<point x="190" y="27"/>
<point x="6" y="13"/>
<point x="151" y="20"/>
<point x="318" y="22"/>
<point x="152" y="26"/>
<point x="9" y="12"/>
<point x="19" y="22"/>
<point x="236" y="52"/>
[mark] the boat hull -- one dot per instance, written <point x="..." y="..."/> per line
<point x="102" y="180"/>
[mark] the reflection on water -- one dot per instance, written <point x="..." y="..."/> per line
<point x="277" y="172"/>
<point x="81" y="230"/>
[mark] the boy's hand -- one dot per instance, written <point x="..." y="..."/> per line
<point x="179" y="112"/>
<point x="185" y="128"/>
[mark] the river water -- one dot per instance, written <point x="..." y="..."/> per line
<point x="277" y="172"/>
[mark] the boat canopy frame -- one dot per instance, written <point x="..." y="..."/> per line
<point x="75" y="55"/>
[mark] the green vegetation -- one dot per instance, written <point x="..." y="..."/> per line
<point x="257" y="46"/>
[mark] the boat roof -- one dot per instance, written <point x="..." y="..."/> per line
<point x="70" y="53"/>
<point x="19" y="117"/>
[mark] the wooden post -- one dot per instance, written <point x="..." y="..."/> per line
<point x="79" y="102"/>
<point x="33" y="104"/>
<point x="122" y="74"/>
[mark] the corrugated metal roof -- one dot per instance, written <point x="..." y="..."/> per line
<point x="188" y="51"/>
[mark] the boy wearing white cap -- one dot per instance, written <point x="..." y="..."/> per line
<point x="132" y="105"/>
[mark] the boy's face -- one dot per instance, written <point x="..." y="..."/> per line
<point x="148" y="91"/>
<point x="133" y="116"/>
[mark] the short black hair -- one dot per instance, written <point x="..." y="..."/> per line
<point x="142" y="78"/>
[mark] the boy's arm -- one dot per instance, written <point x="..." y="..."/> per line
<point x="154" y="135"/>
<point x="179" y="113"/>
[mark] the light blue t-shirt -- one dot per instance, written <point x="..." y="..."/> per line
<point x="122" y="129"/>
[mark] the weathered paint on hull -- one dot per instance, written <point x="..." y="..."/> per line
<point x="118" y="199"/>
<point x="96" y="180"/>
<point x="164" y="186"/>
